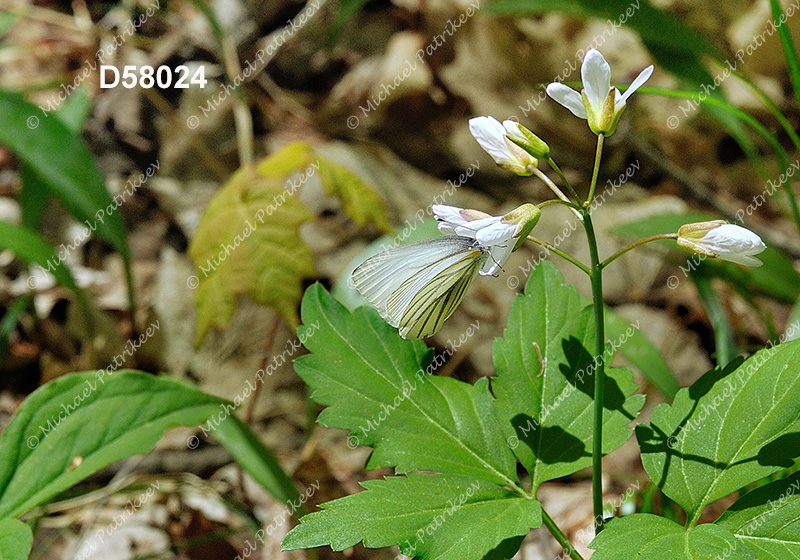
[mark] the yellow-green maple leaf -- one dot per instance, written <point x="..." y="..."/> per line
<point x="359" y="200"/>
<point x="247" y="243"/>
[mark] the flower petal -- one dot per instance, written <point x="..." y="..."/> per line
<point x="643" y="76"/>
<point x="567" y="97"/>
<point x="496" y="233"/>
<point x="738" y="258"/>
<point x="472" y="228"/>
<point x="450" y="214"/>
<point x="596" y="76"/>
<point x="491" y="135"/>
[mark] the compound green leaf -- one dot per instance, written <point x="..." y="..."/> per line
<point x="731" y="428"/>
<point x="76" y="425"/>
<point x="247" y="243"/>
<point x="545" y="385"/>
<point x="16" y="540"/>
<point x="655" y="538"/>
<point x="376" y="384"/>
<point x="768" y="519"/>
<point x="430" y="517"/>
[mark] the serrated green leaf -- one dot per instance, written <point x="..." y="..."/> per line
<point x="375" y="384"/>
<point x="62" y="162"/>
<point x="731" y="428"/>
<point x="640" y="536"/>
<point x="777" y="278"/>
<point x="546" y="412"/>
<point x="431" y="517"/>
<point x="16" y="540"/>
<point x="76" y="425"/>
<point x="359" y="201"/>
<point x="247" y="243"/>
<point x="768" y="519"/>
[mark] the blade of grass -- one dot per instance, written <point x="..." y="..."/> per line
<point x="789" y="51"/>
<point x="780" y="152"/>
<point x="723" y="335"/>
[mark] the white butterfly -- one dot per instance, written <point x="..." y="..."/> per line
<point x="416" y="287"/>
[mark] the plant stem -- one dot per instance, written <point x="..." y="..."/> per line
<point x="555" y="190"/>
<point x="559" y="535"/>
<point x="599" y="376"/>
<point x="596" y="171"/>
<point x="551" y="162"/>
<point x="561" y="254"/>
<point x="639" y="243"/>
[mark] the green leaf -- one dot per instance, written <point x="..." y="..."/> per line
<point x="375" y="384"/>
<point x="768" y="519"/>
<point x="63" y="163"/>
<point x="648" y="536"/>
<point x="431" y="517"/>
<point x="76" y="425"/>
<point x="247" y="242"/>
<point x="723" y="334"/>
<point x="731" y="428"/>
<point x="793" y="326"/>
<point x="34" y="195"/>
<point x="673" y="44"/>
<point x="359" y="201"/>
<point x="545" y="408"/>
<point x="777" y="278"/>
<point x="248" y="451"/>
<point x="16" y="540"/>
<point x="32" y="248"/>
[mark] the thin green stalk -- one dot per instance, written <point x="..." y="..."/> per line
<point x="639" y="243"/>
<point x="772" y="108"/>
<point x="596" y="172"/>
<point x="792" y="63"/>
<point x="560" y="253"/>
<point x="555" y="189"/>
<point x="559" y="535"/>
<point x="551" y="162"/>
<point x="599" y="377"/>
<point x="557" y="201"/>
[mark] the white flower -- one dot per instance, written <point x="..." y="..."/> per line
<point x="726" y="241"/>
<point x="491" y="135"/>
<point x="500" y="235"/>
<point x="599" y="103"/>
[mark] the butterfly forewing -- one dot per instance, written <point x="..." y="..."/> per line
<point x="391" y="280"/>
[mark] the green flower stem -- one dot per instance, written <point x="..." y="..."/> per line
<point x="639" y="243"/>
<point x="555" y="189"/>
<point x="596" y="172"/>
<point x="551" y="162"/>
<point x="599" y="376"/>
<point x="558" y="201"/>
<point x="561" y="254"/>
<point x="559" y="535"/>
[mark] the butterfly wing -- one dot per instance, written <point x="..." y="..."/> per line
<point x="391" y="280"/>
<point x="434" y="300"/>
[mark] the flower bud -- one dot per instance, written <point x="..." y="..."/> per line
<point x="718" y="239"/>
